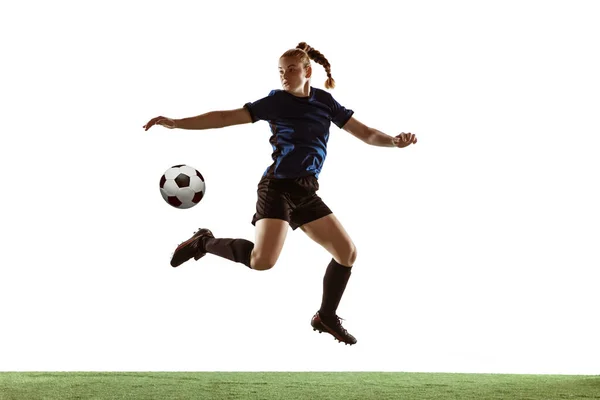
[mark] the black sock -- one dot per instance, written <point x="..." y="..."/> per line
<point x="238" y="250"/>
<point x="334" y="283"/>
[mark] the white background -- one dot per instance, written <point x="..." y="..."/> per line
<point x="477" y="247"/>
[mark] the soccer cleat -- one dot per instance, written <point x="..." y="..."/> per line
<point x="333" y="326"/>
<point x="191" y="248"/>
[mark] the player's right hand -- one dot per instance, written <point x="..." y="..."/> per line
<point x="164" y="121"/>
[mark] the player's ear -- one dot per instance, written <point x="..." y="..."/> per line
<point x="308" y="71"/>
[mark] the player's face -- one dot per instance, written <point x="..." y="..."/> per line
<point x="292" y="74"/>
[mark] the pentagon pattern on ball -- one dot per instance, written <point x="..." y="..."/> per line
<point x="182" y="186"/>
<point x="182" y="180"/>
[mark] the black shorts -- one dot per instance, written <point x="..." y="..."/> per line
<point x="293" y="200"/>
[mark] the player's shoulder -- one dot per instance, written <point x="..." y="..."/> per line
<point x="323" y="96"/>
<point x="321" y="93"/>
<point x="273" y="96"/>
<point x="275" y="92"/>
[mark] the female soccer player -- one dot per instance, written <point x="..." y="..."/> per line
<point x="299" y="117"/>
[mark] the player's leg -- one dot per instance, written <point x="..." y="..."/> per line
<point x="261" y="255"/>
<point x="331" y="235"/>
<point x="316" y="219"/>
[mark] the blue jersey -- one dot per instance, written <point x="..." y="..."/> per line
<point x="300" y="129"/>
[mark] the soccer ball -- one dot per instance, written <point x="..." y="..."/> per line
<point x="182" y="186"/>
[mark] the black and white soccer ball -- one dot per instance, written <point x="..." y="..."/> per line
<point x="182" y="186"/>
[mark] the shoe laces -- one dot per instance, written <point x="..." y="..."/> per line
<point x="338" y="322"/>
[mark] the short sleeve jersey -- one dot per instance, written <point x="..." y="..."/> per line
<point x="300" y="129"/>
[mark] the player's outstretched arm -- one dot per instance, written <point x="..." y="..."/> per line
<point x="209" y="120"/>
<point x="377" y="138"/>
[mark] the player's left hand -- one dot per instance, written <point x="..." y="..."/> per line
<point x="404" y="139"/>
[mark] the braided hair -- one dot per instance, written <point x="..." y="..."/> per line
<point x="306" y="53"/>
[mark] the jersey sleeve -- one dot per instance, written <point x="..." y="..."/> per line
<point x="264" y="109"/>
<point x="339" y="114"/>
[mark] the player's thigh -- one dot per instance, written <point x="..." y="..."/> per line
<point x="270" y="236"/>
<point x="329" y="233"/>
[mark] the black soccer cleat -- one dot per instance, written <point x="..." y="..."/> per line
<point x="191" y="248"/>
<point x="333" y="326"/>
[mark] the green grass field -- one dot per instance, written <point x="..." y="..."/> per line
<point x="293" y="385"/>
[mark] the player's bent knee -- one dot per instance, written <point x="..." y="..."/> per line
<point x="349" y="257"/>
<point x="262" y="263"/>
<point x="263" y="266"/>
<point x="353" y="255"/>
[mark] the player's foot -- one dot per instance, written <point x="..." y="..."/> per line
<point x="333" y="326"/>
<point x="191" y="248"/>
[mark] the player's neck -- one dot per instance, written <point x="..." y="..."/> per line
<point x="304" y="92"/>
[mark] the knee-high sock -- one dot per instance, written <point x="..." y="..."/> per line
<point x="238" y="250"/>
<point x="334" y="283"/>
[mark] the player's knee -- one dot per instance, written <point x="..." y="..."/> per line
<point x="349" y="256"/>
<point x="262" y="263"/>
